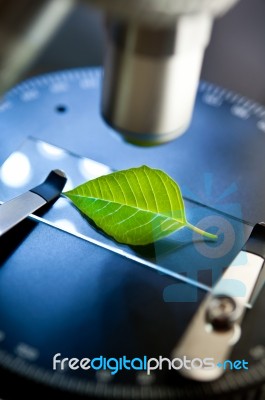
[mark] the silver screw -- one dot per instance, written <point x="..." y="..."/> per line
<point x="222" y="312"/>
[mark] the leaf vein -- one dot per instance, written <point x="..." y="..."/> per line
<point x="151" y="188"/>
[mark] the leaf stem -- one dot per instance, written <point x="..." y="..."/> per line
<point x="201" y="232"/>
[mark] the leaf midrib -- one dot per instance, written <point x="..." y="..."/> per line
<point x="133" y="207"/>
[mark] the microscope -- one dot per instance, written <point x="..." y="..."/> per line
<point x="154" y="52"/>
<point x="62" y="281"/>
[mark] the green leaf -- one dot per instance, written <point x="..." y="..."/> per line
<point x="136" y="206"/>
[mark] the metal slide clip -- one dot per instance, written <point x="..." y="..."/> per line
<point x="216" y="327"/>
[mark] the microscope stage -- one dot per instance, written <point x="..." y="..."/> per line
<point x="62" y="292"/>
